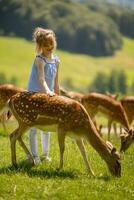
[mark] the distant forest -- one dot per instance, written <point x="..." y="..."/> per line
<point x="90" y="28"/>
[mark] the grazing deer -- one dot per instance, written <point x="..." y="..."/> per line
<point x="6" y="92"/>
<point x="104" y="104"/>
<point x="128" y="105"/>
<point x="114" y="110"/>
<point x="32" y="109"/>
<point x="111" y="108"/>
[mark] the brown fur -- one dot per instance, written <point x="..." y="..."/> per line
<point x="114" y="110"/>
<point x="128" y="105"/>
<point x="73" y="95"/>
<point x="95" y="102"/>
<point x="104" y="104"/>
<point x="6" y="92"/>
<point x="40" y="110"/>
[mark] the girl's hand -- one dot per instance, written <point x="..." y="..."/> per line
<point x="50" y="93"/>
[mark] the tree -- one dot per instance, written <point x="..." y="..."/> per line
<point x="122" y="82"/>
<point x="99" y="84"/>
<point x="78" y="28"/>
<point x="112" y="82"/>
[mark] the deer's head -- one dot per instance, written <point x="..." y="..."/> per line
<point x="127" y="138"/>
<point x="113" y="161"/>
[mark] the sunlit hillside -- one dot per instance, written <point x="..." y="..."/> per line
<point x="16" y="57"/>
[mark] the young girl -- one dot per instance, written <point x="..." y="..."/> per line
<point x="43" y="78"/>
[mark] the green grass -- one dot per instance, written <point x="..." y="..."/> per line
<point x="43" y="182"/>
<point x="17" y="56"/>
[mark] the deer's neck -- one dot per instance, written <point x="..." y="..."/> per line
<point x="98" y="143"/>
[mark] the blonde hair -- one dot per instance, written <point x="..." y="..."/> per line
<point x="43" y="37"/>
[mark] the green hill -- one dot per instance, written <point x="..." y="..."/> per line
<point x="17" y="56"/>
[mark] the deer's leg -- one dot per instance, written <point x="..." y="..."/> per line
<point x="61" y="141"/>
<point x="83" y="153"/>
<point x="29" y="155"/>
<point x="120" y="129"/>
<point x="3" y="119"/>
<point x="109" y="128"/>
<point x="100" y="129"/>
<point x="13" y="137"/>
<point x="115" y="129"/>
<point x="94" y="121"/>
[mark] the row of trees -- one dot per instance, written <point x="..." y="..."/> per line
<point x="79" y="28"/>
<point x="122" y="16"/>
<point x="116" y="82"/>
<point x="90" y="27"/>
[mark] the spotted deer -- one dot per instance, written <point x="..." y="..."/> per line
<point x="60" y="113"/>
<point x="6" y="92"/>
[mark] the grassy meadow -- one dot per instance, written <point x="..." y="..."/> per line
<point x="16" y="57"/>
<point x="44" y="182"/>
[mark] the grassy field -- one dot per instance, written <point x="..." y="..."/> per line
<point x="43" y="182"/>
<point x="17" y="56"/>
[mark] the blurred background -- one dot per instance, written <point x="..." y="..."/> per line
<point x="95" y="42"/>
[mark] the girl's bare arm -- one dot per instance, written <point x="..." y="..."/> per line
<point x="56" y="85"/>
<point x="41" y="74"/>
